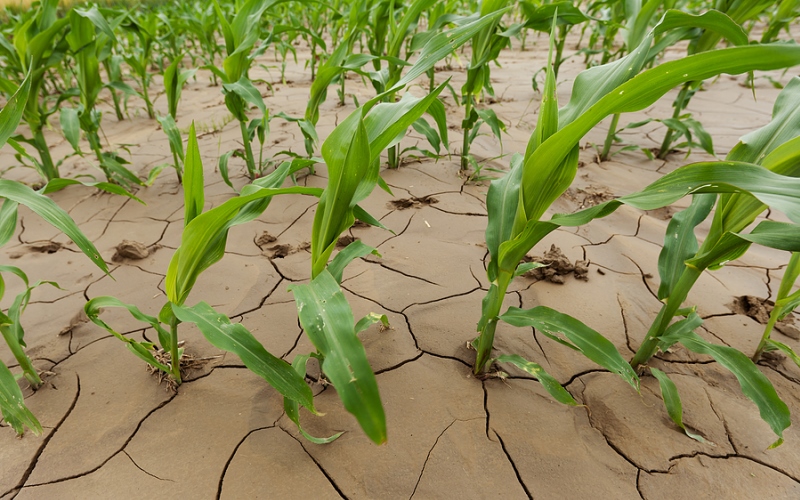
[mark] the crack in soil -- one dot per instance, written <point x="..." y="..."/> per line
<point x="233" y="454"/>
<point x="319" y="465"/>
<point x="141" y="469"/>
<point x="21" y="484"/>
<point x="425" y="464"/>
<point x="121" y="450"/>
<point x="513" y="465"/>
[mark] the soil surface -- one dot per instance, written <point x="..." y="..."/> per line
<point x="111" y="431"/>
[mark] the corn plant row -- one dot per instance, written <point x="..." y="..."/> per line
<point x="758" y="173"/>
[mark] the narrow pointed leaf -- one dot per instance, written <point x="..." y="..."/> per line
<point x="328" y="321"/>
<point x="588" y="341"/>
<point x="755" y="385"/>
<point x="234" y="337"/>
<point x="669" y="391"/>
<point x="549" y="383"/>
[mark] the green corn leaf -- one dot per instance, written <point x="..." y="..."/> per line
<point x="58" y="184"/>
<point x="47" y="209"/>
<point x="8" y="222"/>
<point x="292" y="409"/>
<point x="71" y="127"/>
<point x="786" y="300"/>
<point x="549" y="383"/>
<point x="203" y="240"/>
<point x="754" y="384"/>
<point x="786" y="350"/>
<point x="731" y="246"/>
<point x="502" y="201"/>
<point x="712" y="21"/>
<point x="328" y="321"/>
<point x="223" y="168"/>
<point x="16" y="272"/>
<point x="354" y="250"/>
<point x="669" y="391"/>
<point x="193" y="193"/>
<point x="646" y="87"/>
<point x="680" y="243"/>
<point x="443" y="44"/>
<point x="234" y="337"/>
<point x="543" y="17"/>
<point x="369" y="320"/>
<point x="170" y="128"/>
<point x="143" y="350"/>
<point x="351" y="177"/>
<point x="245" y="89"/>
<point x="592" y="344"/>
<point x="12" y="112"/>
<point x="774" y="190"/>
<point x="12" y="404"/>
<point x="527" y="266"/>
<point x="424" y="128"/>
<point x="386" y="121"/>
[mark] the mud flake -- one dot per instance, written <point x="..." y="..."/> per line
<point x="413" y="202"/>
<point x="590" y="196"/>
<point x="556" y="267"/>
<point x="265" y="239"/>
<point x="45" y="247"/>
<point x="132" y="250"/>
<point x="344" y="241"/>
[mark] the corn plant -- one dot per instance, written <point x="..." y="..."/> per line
<point x="86" y="44"/>
<point x="539" y="17"/>
<point x="674" y="30"/>
<point x="516" y="203"/>
<point x="38" y="44"/>
<point x="486" y="46"/>
<point x="12" y="404"/>
<point x="436" y="47"/>
<point x="785" y="302"/>
<point x="241" y="35"/>
<point x="144" y="28"/>
<point x="681" y="124"/>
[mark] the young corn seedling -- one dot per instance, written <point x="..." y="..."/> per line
<point x="486" y="45"/>
<point x="86" y="45"/>
<point x="203" y="244"/>
<point x="437" y="47"/>
<point x="140" y="58"/>
<point x="741" y="12"/>
<point x="517" y="202"/>
<point x="785" y="302"/>
<point x="12" y="404"/>
<point x="38" y="44"/>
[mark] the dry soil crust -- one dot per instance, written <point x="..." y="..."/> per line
<point x="112" y="432"/>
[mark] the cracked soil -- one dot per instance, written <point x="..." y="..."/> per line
<point x="112" y="432"/>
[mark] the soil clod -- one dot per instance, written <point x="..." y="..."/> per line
<point x="132" y="250"/>
<point x="589" y="196"/>
<point x="45" y="246"/>
<point x="265" y="239"/>
<point x="759" y="309"/>
<point x="413" y="202"/>
<point x="557" y="266"/>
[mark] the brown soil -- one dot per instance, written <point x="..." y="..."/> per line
<point x="556" y="266"/>
<point x="112" y="432"/>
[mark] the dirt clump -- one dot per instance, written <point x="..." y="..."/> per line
<point x="132" y="250"/>
<point x="278" y="251"/>
<point x="759" y="309"/>
<point x="556" y="267"/>
<point x="45" y="246"/>
<point x="590" y="196"/>
<point x="413" y="202"/>
<point x="265" y="239"/>
<point x="345" y="240"/>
